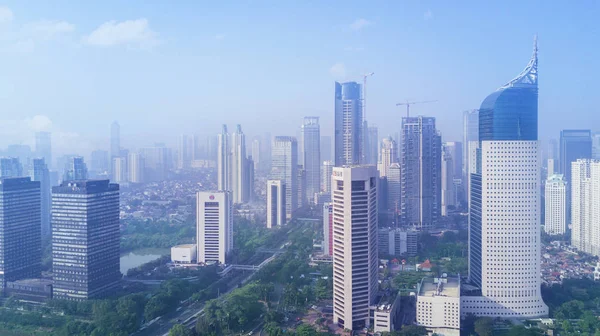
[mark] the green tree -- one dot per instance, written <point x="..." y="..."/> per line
<point x="180" y="330"/>
<point x="520" y="330"/>
<point x="306" y="330"/>
<point x="273" y="329"/>
<point x="484" y="326"/>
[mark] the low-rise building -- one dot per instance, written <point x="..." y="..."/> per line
<point x="438" y="305"/>
<point x="384" y="313"/>
<point x="397" y="242"/>
<point x="30" y="290"/>
<point x="184" y="254"/>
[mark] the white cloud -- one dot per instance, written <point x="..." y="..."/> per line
<point x="48" y="29"/>
<point x="6" y="15"/>
<point x="39" y="123"/>
<point x="135" y="33"/>
<point x="338" y="71"/>
<point x="428" y="15"/>
<point x="219" y="36"/>
<point x="359" y="24"/>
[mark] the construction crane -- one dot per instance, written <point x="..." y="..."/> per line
<point x="412" y="103"/>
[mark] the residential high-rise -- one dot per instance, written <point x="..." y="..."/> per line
<point x="448" y="192"/>
<point x="10" y="167"/>
<point x="504" y="216"/>
<point x="556" y="205"/>
<point x="115" y="140"/>
<point x="135" y="168"/>
<point x="156" y="162"/>
<point x="326" y="177"/>
<point x="99" y="163"/>
<point x="239" y="183"/>
<point x="470" y="146"/>
<point x="43" y="147"/>
<point x="397" y="242"/>
<point x="41" y="174"/>
<point x="394" y="189"/>
<point x="76" y="169"/>
<point x="301" y="187"/>
<point x="185" y="152"/>
<point x="284" y="166"/>
<point x="585" y="206"/>
<point x="224" y="160"/>
<point x="20" y="229"/>
<point x="574" y="145"/>
<point x="354" y="245"/>
<point x="275" y="203"/>
<point x="85" y="239"/>
<point x="348" y="124"/>
<point x="389" y="155"/>
<point x="421" y="172"/>
<point x="372" y="156"/>
<point x="214" y="226"/>
<point x="119" y="169"/>
<point x="327" y="229"/>
<point x="311" y="140"/>
<point x="249" y="179"/>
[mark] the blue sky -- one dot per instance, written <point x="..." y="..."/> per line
<point x="166" y="68"/>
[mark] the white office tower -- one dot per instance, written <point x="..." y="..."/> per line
<point x="389" y="155"/>
<point x="585" y="206"/>
<point x="394" y="187"/>
<point x="326" y="176"/>
<point x="119" y="169"/>
<point x="448" y="192"/>
<point x="504" y="216"/>
<point x="136" y="168"/>
<point x="470" y="145"/>
<point x="239" y="176"/>
<point x="284" y="166"/>
<point x="214" y="226"/>
<point x="354" y="244"/>
<point x="311" y="147"/>
<point x="275" y="203"/>
<point x="551" y="167"/>
<point x="556" y="205"/>
<point x="223" y="160"/>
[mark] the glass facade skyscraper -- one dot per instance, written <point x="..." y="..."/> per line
<point x="349" y="137"/>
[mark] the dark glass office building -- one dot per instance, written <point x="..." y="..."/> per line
<point x="20" y="229"/>
<point x="349" y="135"/>
<point x="574" y="145"/>
<point x="42" y="175"/>
<point x="85" y="239"/>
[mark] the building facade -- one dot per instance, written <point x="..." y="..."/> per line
<point x="41" y="174"/>
<point x="20" y="229"/>
<point x="504" y="216"/>
<point x="276" y="203"/>
<point x="239" y="170"/>
<point x="354" y="245"/>
<point x="135" y="168"/>
<point x="224" y="160"/>
<point x="421" y="173"/>
<point x="43" y="147"/>
<point x="284" y="166"/>
<point x="556" y="205"/>
<point x="348" y="131"/>
<point x="389" y="155"/>
<point x="574" y="145"/>
<point x="327" y="229"/>
<point x="85" y="239"/>
<point x="214" y="226"/>
<point x="471" y="144"/>
<point x="397" y="242"/>
<point x="311" y="153"/>
<point x="439" y="306"/>
<point x="585" y="206"/>
<point x="448" y="187"/>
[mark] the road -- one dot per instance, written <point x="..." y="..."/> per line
<point x="189" y="316"/>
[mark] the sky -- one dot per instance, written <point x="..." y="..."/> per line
<point x="163" y="68"/>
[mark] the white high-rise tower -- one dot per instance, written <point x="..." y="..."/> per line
<point x="224" y="161"/>
<point x="354" y="244"/>
<point x="239" y="180"/>
<point x="556" y="205"/>
<point x="505" y="208"/>
<point x="585" y="206"/>
<point x="311" y="151"/>
<point x="214" y="226"/>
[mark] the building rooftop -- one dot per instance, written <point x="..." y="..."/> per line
<point x="185" y="246"/>
<point x="440" y="287"/>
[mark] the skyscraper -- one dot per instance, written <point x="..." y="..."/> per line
<point x="585" y="206"/>
<point x="20" y="229"/>
<point x="275" y="203"/>
<point x="185" y="151"/>
<point x="504" y="215"/>
<point x="326" y="176"/>
<point x="156" y="162"/>
<point x="326" y="148"/>
<point x="574" y="145"/>
<point x="224" y="160"/>
<point x="421" y="172"/>
<point x="239" y="183"/>
<point x="85" y="239"/>
<point x="455" y="151"/>
<point x="327" y="229"/>
<point x="256" y="157"/>
<point x="556" y="205"/>
<point x="389" y="155"/>
<point x="311" y="139"/>
<point x="348" y="124"/>
<point x="119" y="169"/>
<point x="75" y="169"/>
<point x="135" y="168"/>
<point x="10" y="167"/>
<point x="284" y="166"/>
<point x="214" y="226"/>
<point x="354" y="245"/>
<point x="43" y="146"/>
<point x="448" y="192"/>
<point x="41" y="174"/>
<point x="394" y="188"/>
<point x="373" y="150"/>
<point x="115" y="140"/>
<point x="100" y="162"/>
<point x="471" y="144"/>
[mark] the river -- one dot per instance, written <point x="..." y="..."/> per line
<point x="136" y="258"/>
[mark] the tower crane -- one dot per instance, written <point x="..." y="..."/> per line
<point x="407" y="104"/>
